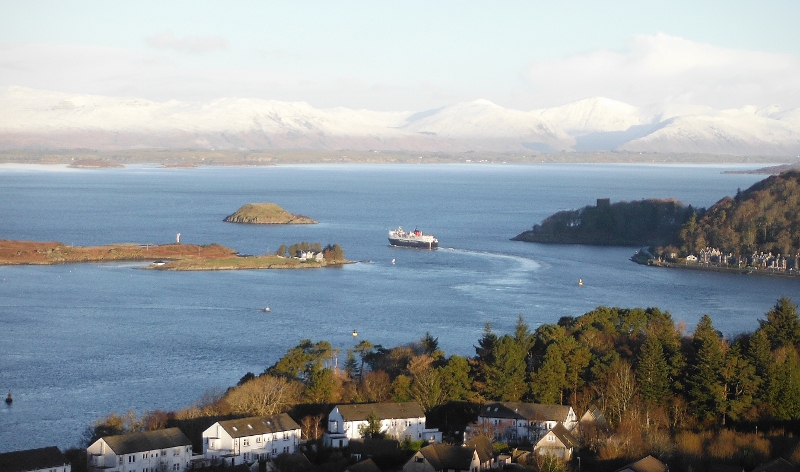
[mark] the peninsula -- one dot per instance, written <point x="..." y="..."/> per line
<point x="164" y="257"/>
<point x="752" y="232"/>
<point x="267" y="214"/>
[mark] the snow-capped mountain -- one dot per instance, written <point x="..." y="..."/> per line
<point x="45" y="119"/>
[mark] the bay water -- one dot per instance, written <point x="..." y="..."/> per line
<point x="80" y="341"/>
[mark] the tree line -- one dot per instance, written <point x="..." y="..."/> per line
<point x="656" y="383"/>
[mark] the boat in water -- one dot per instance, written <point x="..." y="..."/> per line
<point x="414" y="238"/>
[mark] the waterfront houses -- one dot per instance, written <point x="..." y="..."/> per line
<point x="149" y="451"/>
<point x="400" y="421"/>
<point x="43" y="459"/>
<point x="247" y="440"/>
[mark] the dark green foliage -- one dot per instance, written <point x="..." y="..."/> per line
<point x="505" y="375"/>
<point x="295" y="249"/>
<point x="302" y="359"/>
<point x="705" y="379"/>
<point x="640" y="223"/>
<point x="763" y="218"/>
<point x="652" y="373"/>
<point x="373" y="428"/>
<point x="782" y="326"/>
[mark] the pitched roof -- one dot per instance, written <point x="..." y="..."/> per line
<point x="373" y="447"/>
<point x="778" y="465"/>
<point x="646" y="464"/>
<point x="483" y="445"/>
<point x="147" y="441"/>
<point x="364" y="466"/>
<point x="384" y="411"/>
<point x="445" y="456"/>
<point x="32" y="459"/>
<point x="255" y="425"/>
<point x="563" y="434"/>
<point x="526" y="411"/>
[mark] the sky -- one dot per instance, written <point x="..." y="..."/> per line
<point x="409" y="55"/>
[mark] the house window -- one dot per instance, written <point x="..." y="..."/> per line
<point x="163" y="452"/>
<point x="131" y="458"/>
<point x="258" y="439"/>
<point x="551" y="438"/>
<point x="246" y="456"/>
<point x="419" y="459"/>
<point x="120" y="460"/>
<point x="176" y="466"/>
<point x="245" y="442"/>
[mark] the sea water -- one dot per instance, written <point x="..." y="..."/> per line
<point x="80" y="341"/>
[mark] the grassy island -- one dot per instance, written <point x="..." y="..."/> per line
<point x="165" y="257"/>
<point x="267" y="214"/>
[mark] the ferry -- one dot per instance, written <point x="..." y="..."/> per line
<point x="415" y="238"/>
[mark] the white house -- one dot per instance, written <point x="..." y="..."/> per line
<point x="149" y="451"/>
<point x="398" y="420"/>
<point x="558" y="442"/>
<point x="443" y="457"/>
<point x="247" y="440"/>
<point x="43" y="459"/>
<point x="515" y="421"/>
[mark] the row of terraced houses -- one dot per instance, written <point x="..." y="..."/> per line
<point x="548" y="428"/>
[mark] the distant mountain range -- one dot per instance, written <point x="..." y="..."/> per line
<point x="40" y="119"/>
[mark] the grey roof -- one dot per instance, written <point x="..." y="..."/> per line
<point x="563" y="434"/>
<point x="445" y="456"/>
<point x="32" y="459"/>
<point x="778" y="465"/>
<point x="384" y="411"/>
<point x="368" y="447"/>
<point x="147" y="441"/>
<point x="646" y="464"/>
<point x="483" y="445"/>
<point x="526" y="411"/>
<point x="254" y="425"/>
<point x="364" y="466"/>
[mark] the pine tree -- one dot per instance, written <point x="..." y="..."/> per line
<point x="653" y="374"/>
<point x="759" y="353"/>
<point x="784" y="389"/>
<point x="782" y="325"/>
<point x="505" y="376"/>
<point x="705" y="380"/>
<point x="547" y="384"/>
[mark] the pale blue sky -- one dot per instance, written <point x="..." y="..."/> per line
<point x="408" y="55"/>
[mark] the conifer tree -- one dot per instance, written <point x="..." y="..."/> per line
<point x="784" y="388"/>
<point x="759" y="353"/>
<point x="505" y="376"/>
<point x="705" y="380"/>
<point x="547" y="384"/>
<point x="782" y="325"/>
<point x="652" y="374"/>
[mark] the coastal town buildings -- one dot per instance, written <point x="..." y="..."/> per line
<point x="43" y="459"/>
<point x="400" y="421"/>
<point x="247" y="440"/>
<point x="149" y="451"/>
<point x="516" y="422"/>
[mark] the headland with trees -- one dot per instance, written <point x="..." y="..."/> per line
<point x="757" y="230"/>
<point x="695" y="400"/>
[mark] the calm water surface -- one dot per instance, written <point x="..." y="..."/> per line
<point x="80" y="341"/>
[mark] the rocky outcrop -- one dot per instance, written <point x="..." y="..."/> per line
<point x="267" y="214"/>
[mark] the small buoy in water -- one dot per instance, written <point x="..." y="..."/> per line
<point x="580" y="282"/>
<point x="9" y="399"/>
<point x="267" y="310"/>
<point x="392" y="261"/>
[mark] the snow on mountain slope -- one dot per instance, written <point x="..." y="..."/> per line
<point x="46" y="119"/>
<point x="741" y="132"/>
<point x="483" y="120"/>
<point x="593" y="115"/>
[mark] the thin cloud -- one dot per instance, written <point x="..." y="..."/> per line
<point x="667" y="69"/>
<point x="192" y="44"/>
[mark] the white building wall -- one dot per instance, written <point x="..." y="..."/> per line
<point x="100" y="456"/>
<point x="219" y="445"/>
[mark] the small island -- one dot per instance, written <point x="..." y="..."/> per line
<point x="182" y="257"/>
<point x="267" y="214"/>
